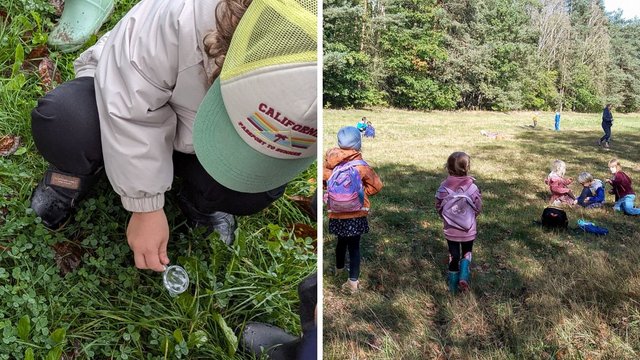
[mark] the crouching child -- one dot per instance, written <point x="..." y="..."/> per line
<point x="592" y="195"/>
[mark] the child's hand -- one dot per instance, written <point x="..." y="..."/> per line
<point x="608" y="180"/>
<point x="148" y="235"/>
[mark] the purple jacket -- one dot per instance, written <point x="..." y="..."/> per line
<point x="454" y="183"/>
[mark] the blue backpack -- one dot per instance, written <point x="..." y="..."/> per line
<point x="345" y="191"/>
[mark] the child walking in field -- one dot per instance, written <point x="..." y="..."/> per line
<point x="349" y="181"/>
<point x="558" y="185"/>
<point x="622" y="189"/>
<point x="459" y="201"/>
<point x="592" y="195"/>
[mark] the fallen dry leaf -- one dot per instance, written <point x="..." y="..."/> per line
<point x="304" y="231"/>
<point x="304" y="203"/>
<point x="48" y="74"/>
<point x="30" y="63"/>
<point x="68" y="256"/>
<point x="38" y="52"/>
<point x="9" y="144"/>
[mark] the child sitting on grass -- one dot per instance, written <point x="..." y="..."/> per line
<point x="362" y="125"/>
<point x="458" y="201"/>
<point x="349" y="226"/>
<point x="621" y="183"/>
<point x="592" y="195"/>
<point x="560" y="192"/>
<point x="370" y="131"/>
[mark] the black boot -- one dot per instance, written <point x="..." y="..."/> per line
<point x="258" y="338"/>
<point x="308" y="293"/>
<point x="57" y="195"/>
<point x="222" y="223"/>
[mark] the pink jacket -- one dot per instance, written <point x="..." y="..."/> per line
<point x="454" y="183"/>
<point x="558" y="186"/>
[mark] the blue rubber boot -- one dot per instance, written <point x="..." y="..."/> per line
<point x="465" y="274"/>
<point x="454" y="278"/>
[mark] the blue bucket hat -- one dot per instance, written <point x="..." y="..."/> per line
<point x="349" y="137"/>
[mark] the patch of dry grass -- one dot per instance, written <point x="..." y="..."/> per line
<point x="535" y="294"/>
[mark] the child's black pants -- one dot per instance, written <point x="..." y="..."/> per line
<point x="66" y="131"/>
<point x="456" y="254"/>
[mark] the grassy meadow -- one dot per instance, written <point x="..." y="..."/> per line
<point x="75" y="293"/>
<point x="535" y="294"/>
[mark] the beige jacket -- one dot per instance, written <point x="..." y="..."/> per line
<point x="150" y="75"/>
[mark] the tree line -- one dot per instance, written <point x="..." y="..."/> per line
<point x="480" y="54"/>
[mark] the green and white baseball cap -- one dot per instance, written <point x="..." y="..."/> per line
<point x="256" y="128"/>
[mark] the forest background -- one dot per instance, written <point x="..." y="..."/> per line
<point x="480" y="54"/>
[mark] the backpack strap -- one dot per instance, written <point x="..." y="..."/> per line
<point x="469" y="191"/>
<point x="355" y="163"/>
<point x="466" y="193"/>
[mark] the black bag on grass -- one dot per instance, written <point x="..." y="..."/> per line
<point x="554" y="218"/>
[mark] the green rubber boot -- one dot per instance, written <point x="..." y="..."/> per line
<point x="454" y="278"/>
<point x="465" y="274"/>
<point x="80" y="19"/>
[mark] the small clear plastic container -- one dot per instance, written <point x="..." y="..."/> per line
<point x="175" y="279"/>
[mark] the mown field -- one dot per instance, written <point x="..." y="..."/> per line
<point x="75" y="294"/>
<point x="535" y="294"/>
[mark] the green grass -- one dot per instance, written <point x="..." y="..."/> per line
<point x="105" y="308"/>
<point x="535" y="294"/>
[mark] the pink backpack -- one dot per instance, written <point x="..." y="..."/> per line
<point x="345" y="192"/>
<point x="458" y="209"/>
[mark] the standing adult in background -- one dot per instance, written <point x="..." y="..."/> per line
<point x="557" y="121"/>
<point x="607" y="122"/>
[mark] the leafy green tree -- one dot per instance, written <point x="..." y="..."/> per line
<point x="412" y="47"/>
<point x="480" y="54"/>
<point x="623" y="76"/>
<point x="348" y="71"/>
<point x="347" y="79"/>
<point x="490" y="44"/>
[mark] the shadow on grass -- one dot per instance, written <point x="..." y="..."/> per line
<point x="581" y="146"/>
<point x="406" y="252"/>
<point x="516" y="263"/>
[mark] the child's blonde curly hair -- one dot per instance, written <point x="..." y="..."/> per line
<point x="216" y="42"/>
<point x="559" y="167"/>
